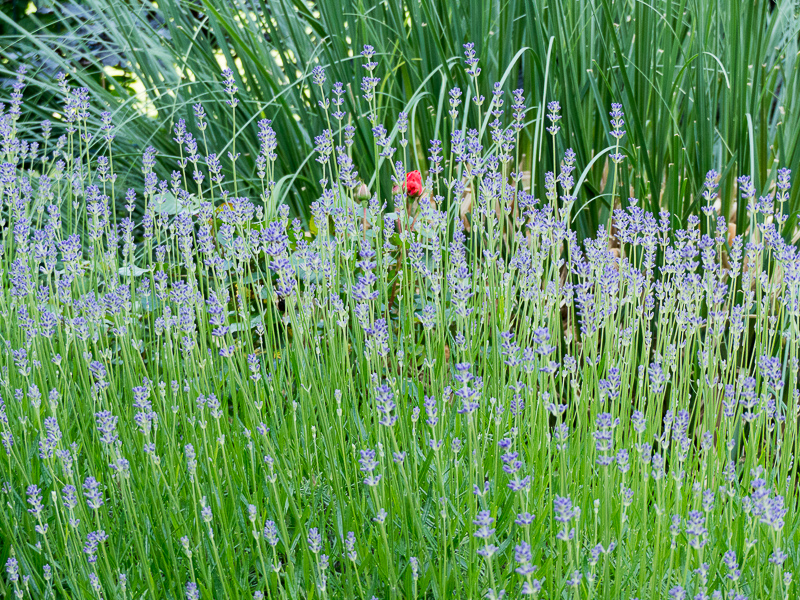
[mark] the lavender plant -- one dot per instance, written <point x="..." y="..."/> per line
<point x="454" y="397"/>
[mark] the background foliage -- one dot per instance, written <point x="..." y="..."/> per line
<point x="705" y="84"/>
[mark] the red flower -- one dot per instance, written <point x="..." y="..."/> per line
<point x="414" y="183"/>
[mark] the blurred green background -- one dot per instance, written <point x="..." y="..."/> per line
<point x="704" y="84"/>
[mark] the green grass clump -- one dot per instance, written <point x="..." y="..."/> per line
<point x="705" y="84"/>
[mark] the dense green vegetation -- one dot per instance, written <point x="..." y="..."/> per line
<point x="705" y="84"/>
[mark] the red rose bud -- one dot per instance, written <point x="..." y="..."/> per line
<point x="414" y="183"/>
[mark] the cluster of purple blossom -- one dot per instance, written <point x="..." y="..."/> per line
<point x="615" y="416"/>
